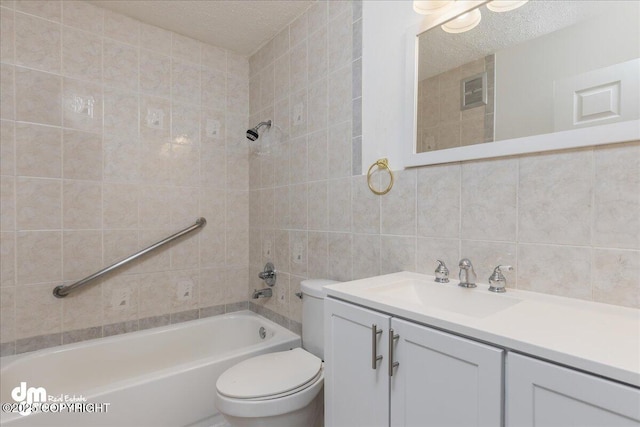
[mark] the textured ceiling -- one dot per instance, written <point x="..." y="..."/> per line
<point x="240" y="26"/>
<point x="497" y="31"/>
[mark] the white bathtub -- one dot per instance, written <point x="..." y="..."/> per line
<point x="157" y="377"/>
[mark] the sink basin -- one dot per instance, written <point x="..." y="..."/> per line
<point x="469" y="302"/>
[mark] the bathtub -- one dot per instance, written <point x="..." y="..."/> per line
<point x="158" y="377"/>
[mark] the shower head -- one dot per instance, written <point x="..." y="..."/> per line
<point x="252" y="134"/>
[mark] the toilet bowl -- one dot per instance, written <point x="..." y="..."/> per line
<point x="281" y="389"/>
<point x="276" y="389"/>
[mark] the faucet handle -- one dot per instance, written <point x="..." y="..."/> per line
<point x="268" y="274"/>
<point x="442" y="273"/>
<point x="497" y="281"/>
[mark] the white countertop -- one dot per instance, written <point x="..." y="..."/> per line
<point x="599" y="338"/>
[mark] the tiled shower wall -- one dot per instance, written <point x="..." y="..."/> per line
<point x="300" y="193"/>
<point x="116" y="134"/>
<point x="567" y="221"/>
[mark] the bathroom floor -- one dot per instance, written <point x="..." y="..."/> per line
<point x="215" y="421"/>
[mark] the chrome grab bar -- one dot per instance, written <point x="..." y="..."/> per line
<point x="62" y="291"/>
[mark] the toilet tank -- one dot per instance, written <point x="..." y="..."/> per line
<point x="313" y="296"/>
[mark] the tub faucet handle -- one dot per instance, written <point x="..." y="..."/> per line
<point x="268" y="274"/>
<point x="497" y="281"/>
<point x="442" y="272"/>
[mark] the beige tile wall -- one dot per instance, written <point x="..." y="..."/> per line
<point x="79" y="192"/>
<point x="569" y="222"/>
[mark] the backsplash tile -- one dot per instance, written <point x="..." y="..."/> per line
<point x="365" y="255"/>
<point x="616" y="277"/>
<point x="398" y="207"/>
<point x="438" y="199"/>
<point x="616" y="222"/>
<point x="556" y="270"/>
<point x="397" y="253"/>
<point x="431" y="249"/>
<point x="486" y="256"/>
<point x="555" y="198"/>
<point x="488" y="199"/>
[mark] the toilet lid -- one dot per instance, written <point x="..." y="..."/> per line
<point x="269" y="374"/>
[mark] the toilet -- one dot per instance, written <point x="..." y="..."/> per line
<point x="285" y="388"/>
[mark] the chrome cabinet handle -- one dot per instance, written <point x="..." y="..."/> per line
<point x="392" y="364"/>
<point x="374" y="347"/>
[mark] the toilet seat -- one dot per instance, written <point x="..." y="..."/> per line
<point x="270" y="376"/>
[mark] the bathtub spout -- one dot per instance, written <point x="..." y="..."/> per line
<point x="262" y="293"/>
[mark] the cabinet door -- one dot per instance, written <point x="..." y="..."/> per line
<point x="444" y="380"/>
<point x="542" y="394"/>
<point x="355" y="393"/>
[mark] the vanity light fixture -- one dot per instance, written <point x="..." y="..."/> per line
<point x="464" y="22"/>
<point x="504" y="5"/>
<point x="429" y="7"/>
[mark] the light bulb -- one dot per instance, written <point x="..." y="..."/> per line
<point x="429" y="7"/>
<point x="464" y="22"/>
<point x="505" y="5"/>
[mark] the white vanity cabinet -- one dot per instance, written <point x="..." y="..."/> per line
<point x="468" y="357"/>
<point x="355" y="393"/>
<point x="440" y="379"/>
<point x="543" y="394"/>
<point x="444" y="380"/>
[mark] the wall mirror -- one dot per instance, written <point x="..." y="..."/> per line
<point x="547" y="75"/>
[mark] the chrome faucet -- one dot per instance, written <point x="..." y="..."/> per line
<point x="467" y="274"/>
<point x="262" y="293"/>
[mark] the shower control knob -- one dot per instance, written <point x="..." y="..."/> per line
<point x="268" y="274"/>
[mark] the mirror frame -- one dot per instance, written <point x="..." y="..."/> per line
<point x="575" y="138"/>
